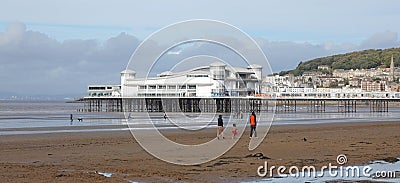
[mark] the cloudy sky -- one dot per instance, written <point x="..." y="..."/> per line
<point x="52" y="47"/>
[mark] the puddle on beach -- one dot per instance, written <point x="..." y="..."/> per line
<point x="375" y="167"/>
<point x="105" y="174"/>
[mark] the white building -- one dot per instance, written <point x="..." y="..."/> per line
<point x="277" y="80"/>
<point x="213" y="80"/>
<point x="104" y="90"/>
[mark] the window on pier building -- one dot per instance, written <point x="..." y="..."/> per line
<point x="197" y="75"/>
<point x="162" y="87"/>
<point x="243" y="76"/>
<point x="191" y="94"/>
<point x="97" y="88"/>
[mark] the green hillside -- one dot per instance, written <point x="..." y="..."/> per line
<point x="354" y="60"/>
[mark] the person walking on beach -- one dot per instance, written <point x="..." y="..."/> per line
<point x="253" y="124"/>
<point x="71" y="117"/>
<point x="220" y="127"/>
<point x="165" y="116"/>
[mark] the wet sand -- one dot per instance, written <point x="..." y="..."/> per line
<point x="75" y="157"/>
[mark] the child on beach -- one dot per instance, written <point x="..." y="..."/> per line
<point x="234" y="131"/>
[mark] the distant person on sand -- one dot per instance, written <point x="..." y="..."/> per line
<point x="220" y="127"/>
<point x="253" y="124"/>
<point x="234" y="131"/>
<point x="165" y="116"/>
<point x="72" y="118"/>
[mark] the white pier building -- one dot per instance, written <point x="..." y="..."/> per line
<point x="216" y="79"/>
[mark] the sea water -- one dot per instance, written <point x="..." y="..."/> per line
<point x="16" y="115"/>
<point x="28" y="114"/>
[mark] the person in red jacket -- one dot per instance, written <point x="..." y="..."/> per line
<point x="253" y="124"/>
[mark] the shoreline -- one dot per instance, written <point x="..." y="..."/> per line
<point x="71" y="157"/>
<point x="91" y="123"/>
<point x="125" y="127"/>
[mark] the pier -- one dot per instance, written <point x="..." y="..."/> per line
<point x="232" y="104"/>
<point x="209" y="105"/>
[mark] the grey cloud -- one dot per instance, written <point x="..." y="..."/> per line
<point x="283" y="55"/>
<point x="385" y="39"/>
<point x="33" y="63"/>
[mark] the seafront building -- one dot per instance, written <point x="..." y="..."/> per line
<point x="214" y="80"/>
<point x="211" y="88"/>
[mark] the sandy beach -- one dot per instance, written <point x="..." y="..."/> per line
<point x="75" y="157"/>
